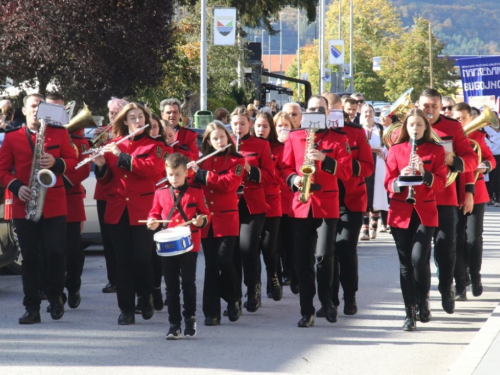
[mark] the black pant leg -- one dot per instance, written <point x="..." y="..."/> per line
<point x="143" y="267"/>
<point x="346" y="252"/>
<point x="445" y="246"/>
<point x="172" y="272"/>
<point x="54" y="246"/>
<point x="475" y="224"/>
<point x="268" y="243"/>
<point x="107" y="243"/>
<point x="285" y="249"/>
<point x="325" y="253"/>
<point x="461" y="263"/>
<point x="75" y="257"/>
<point x="305" y="235"/>
<point x="188" y="275"/>
<point x="157" y="267"/>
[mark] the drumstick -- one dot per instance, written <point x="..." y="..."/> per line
<point x="189" y="222"/>
<point x="157" y="221"/>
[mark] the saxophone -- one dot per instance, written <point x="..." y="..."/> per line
<point x="40" y="179"/>
<point x="307" y="169"/>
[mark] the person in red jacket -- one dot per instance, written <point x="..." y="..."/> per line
<point x="353" y="202"/>
<point x="264" y="128"/>
<point x="219" y="177"/>
<point x="75" y="193"/>
<point x="48" y="235"/>
<point x="462" y="159"/>
<point x="471" y="214"/>
<point x="259" y="170"/>
<point x="413" y="224"/>
<point x="180" y="203"/>
<point x="130" y="169"/>
<point x="284" y="124"/>
<point x="314" y="222"/>
<point x="188" y="146"/>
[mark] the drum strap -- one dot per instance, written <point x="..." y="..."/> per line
<point x="176" y="204"/>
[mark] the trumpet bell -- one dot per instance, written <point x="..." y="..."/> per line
<point x="401" y="106"/>
<point x="486" y="118"/>
<point x="82" y="119"/>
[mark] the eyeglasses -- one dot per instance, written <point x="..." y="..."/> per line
<point x="316" y="109"/>
<point x="447" y="108"/>
<point x="360" y="101"/>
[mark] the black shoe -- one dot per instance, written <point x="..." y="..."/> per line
<point x="424" y="308"/>
<point x="64" y="299"/>
<point x="74" y="300"/>
<point x="147" y="308"/>
<point x="233" y="311"/>
<point x="42" y="295"/>
<point x="448" y="300"/>
<point x="468" y="281"/>
<point x="461" y="296"/>
<point x="57" y="308"/>
<point x="253" y="301"/>
<point x="30" y="317"/>
<point x="331" y="313"/>
<point x="226" y="313"/>
<point x="410" y="323"/>
<point x="174" y="332"/>
<point x="190" y="327"/>
<point x="294" y="288"/>
<point x="209" y="321"/>
<point x="321" y="312"/>
<point x="285" y="280"/>
<point x="109" y="288"/>
<point x="477" y="287"/>
<point x="157" y="300"/>
<point x="126" y="319"/>
<point x="350" y="306"/>
<point x="139" y="305"/>
<point x="306" y="321"/>
<point x="276" y="288"/>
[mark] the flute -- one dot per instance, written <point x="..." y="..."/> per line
<point x="101" y="151"/>
<point x="199" y="161"/>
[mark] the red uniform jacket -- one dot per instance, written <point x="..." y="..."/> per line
<point x="220" y="177"/>
<point x="285" y="191"/>
<point x="75" y="193"/>
<point x="101" y="190"/>
<point x="192" y="203"/>
<point x="465" y="159"/>
<point x="355" y="198"/>
<point x="467" y="180"/>
<point x="167" y="150"/>
<point x="16" y="158"/>
<point x="400" y="212"/>
<point x="131" y="178"/>
<point x="272" y="190"/>
<point x="188" y="144"/>
<point x="324" y="199"/>
<point x="257" y="153"/>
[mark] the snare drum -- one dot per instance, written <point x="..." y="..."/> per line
<point x="173" y="241"/>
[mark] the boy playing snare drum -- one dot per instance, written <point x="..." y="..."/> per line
<point x="180" y="203"/>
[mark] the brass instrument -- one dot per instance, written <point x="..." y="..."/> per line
<point x="102" y="137"/>
<point x="401" y="106"/>
<point x="40" y="179"/>
<point x="307" y="169"/>
<point x="83" y="119"/>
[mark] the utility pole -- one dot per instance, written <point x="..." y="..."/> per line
<point x="298" y="53"/>
<point x="203" y="57"/>
<point x="321" y="46"/>
<point x="431" y="73"/>
<point x="351" y="80"/>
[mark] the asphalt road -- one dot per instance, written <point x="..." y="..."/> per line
<point x="88" y="340"/>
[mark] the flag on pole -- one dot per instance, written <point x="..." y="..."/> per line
<point x="224" y="26"/>
<point x="336" y="52"/>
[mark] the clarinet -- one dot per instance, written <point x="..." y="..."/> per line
<point x="241" y="188"/>
<point x="411" y="192"/>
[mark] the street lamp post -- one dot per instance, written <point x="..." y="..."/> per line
<point x="203" y="57"/>
<point x="281" y="45"/>
<point x="298" y="53"/>
<point x="351" y="80"/>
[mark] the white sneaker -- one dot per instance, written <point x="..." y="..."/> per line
<point x="365" y="236"/>
<point x="373" y="234"/>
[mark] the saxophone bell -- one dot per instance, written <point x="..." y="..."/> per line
<point x="307" y="169"/>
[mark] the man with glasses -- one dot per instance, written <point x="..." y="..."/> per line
<point x="360" y="100"/>
<point x="448" y="104"/>
<point x="295" y="112"/>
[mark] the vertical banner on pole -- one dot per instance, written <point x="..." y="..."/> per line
<point x="224" y="26"/>
<point x="328" y="75"/>
<point x="336" y="52"/>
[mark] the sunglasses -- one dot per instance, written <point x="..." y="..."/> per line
<point x="360" y="101"/>
<point x="447" y="108"/>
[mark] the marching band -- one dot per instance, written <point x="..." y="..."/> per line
<point x="295" y="194"/>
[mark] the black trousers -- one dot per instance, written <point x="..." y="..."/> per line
<point x="268" y="243"/>
<point x="346" y="253"/>
<point x="107" y="243"/>
<point x="132" y="244"/>
<point x="175" y="267"/>
<point x="414" y="247"/>
<point x="494" y="181"/>
<point x="75" y="259"/>
<point x="246" y="252"/>
<point x="285" y="249"/>
<point x="445" y="250"/>
<point x="47" y="236"/>
<point x="221" y="279"/>
<point x="469" y="246"/>
<point x="314" y="239"/>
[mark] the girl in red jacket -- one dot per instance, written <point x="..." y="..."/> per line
<point x="413" y="224"/>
